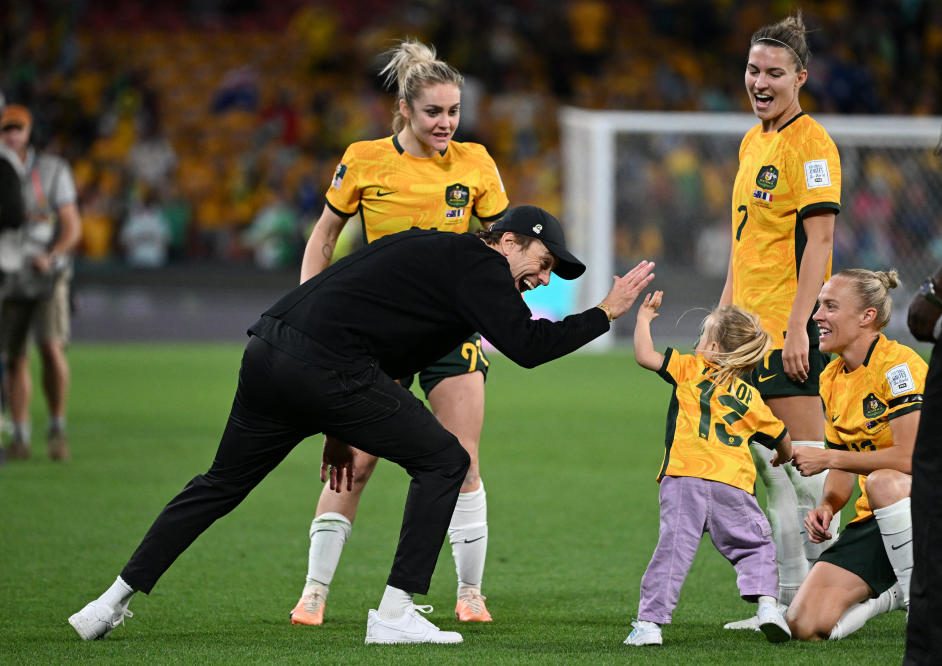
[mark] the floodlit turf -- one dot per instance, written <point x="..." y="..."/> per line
<point x="569" y="455"/>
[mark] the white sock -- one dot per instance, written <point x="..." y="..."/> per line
<point x="329" y="532"/>
<point x="766" y="600"/>
<point x="118" y="595"/>
<point x="857" y="615"/>
<point x="394" y="604"/>
<point x="896" y="528"/>
<point x="782" y="510"/>
<point x="468" y="536"/>
<point x="809" y="490"/>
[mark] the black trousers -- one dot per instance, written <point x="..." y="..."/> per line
<point x="281" y="400"/>
<point x="924" y="629"/>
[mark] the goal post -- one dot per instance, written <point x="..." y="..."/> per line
<point x="657" y="185"/>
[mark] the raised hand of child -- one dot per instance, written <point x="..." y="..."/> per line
<point x="648" y="309"/>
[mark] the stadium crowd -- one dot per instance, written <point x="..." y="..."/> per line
<point x="209" y="131"/>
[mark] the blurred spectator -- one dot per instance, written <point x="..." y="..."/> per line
<point x="151" y="160"/>
<point x="146" y="234"/>
<point x="274" y="234"/>
<point x="36" y="296"/>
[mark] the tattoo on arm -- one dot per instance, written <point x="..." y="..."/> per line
<point x="328" y="251"/>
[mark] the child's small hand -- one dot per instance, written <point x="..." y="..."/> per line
<point x="648" y="309"/>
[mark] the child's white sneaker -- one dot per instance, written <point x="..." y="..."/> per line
<point x="772" y="624"/>
<point x="644" y="633"/>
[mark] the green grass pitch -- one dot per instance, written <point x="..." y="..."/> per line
<point x="569" y="455"/>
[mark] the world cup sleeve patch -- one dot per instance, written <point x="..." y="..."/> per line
<point x="817" y="174"/>
<point x="340" y="172"/>
<point x="900" y="379"/>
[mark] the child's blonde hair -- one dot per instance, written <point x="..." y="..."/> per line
<point x="411" y="67"/>
<point x="742" y="342"/>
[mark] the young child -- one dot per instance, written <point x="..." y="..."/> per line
<point x="708" y="476"/>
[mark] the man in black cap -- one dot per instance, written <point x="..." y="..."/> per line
<point x="323" y="359"/>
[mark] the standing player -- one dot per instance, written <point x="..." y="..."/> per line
<point x="418" y="177"/>
<point x="785" y="199"/>
<point x="873" y="398"/>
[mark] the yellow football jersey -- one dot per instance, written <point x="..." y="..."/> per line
<point x="394" y="191"/>
<point x="860" y="404"/>
<point x="782" y="176"/>
<point x="709" y="427"/>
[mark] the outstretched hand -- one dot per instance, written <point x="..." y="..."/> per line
<point x="626" y="288"/>
<point x="337" y="462"/>
<point x="648" y="310"/>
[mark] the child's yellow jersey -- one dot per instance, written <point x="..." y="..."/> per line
<point x="709" y="427"/>
<point x="859" y="405"/>
<point x="394" y="191"/>
<point x="782" y="176"/>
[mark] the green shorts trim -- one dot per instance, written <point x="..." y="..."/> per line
<point x="467" y="357"/>
<point x="860" y="550"/>
<point x="770" y="379"/>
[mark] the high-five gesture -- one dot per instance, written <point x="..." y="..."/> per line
<point x="626" y="289"/>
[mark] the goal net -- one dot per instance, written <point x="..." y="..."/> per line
<point x="640" y="185"/>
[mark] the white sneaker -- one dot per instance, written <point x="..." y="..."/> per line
<point x="749" y="623"/>
<point x="410" y="628"/>
<point x="644" y="633"/>
<point x="97" y="620"/>
<point x="772" y="624"/>
<point x="752" y="622"/>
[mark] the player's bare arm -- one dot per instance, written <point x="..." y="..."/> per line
<point x="819" y="230"/>
<point x="726" y="298"/>
<point x="837" y="490"/>
<point x="320" y="246"/>
<point x="899" y="456"/>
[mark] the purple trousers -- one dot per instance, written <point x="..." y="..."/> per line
<point x="740" y="531"/>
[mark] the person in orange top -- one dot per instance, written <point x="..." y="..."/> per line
<point x="707" y="479"/>
<point x="785" y="199"/>
<point x="418" y="177"/>
<point x="872" y="396"/>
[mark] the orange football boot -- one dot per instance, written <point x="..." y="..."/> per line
<point x="310" y="609"/>
<point x="471" y="608"/>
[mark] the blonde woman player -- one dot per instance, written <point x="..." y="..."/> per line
<point x="785" y="199"/>
<point x="418" y="177"/>
<point x="872" y="395"/>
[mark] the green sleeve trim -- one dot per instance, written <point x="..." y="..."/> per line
<point x="340" y="212"/>
<point x="491" y="218"/>
<point x="829" y="205"/>
<point x="662" y="371"/>
<point x="768" y="441"/>
<point x="905" y="399"/>
<point x="914" y="407"/>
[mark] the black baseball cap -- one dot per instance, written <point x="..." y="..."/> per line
<point x="537" y="223"/>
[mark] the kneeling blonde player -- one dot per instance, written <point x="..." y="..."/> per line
<point x="708" y="476"/>
<point x="872" y="395"/>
